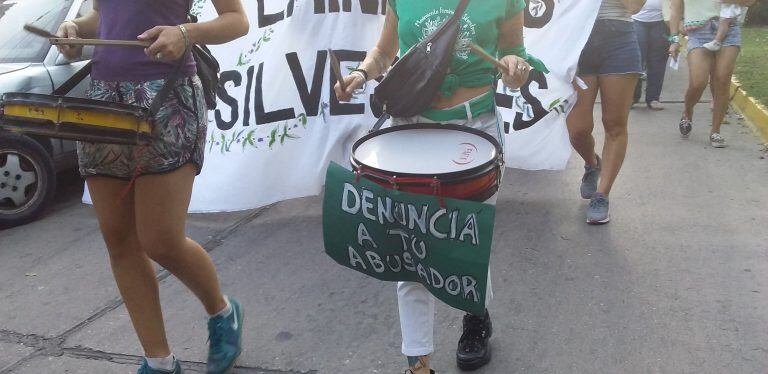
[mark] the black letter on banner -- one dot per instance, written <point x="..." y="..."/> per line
<point x="538" y="13"/>
<point x="228" y="76"/>
<point x="337" y="108"/>
<point x="265" y="20"/>
<point x="290" y="9"/>
<point x="310" y="99"/>
<point x="247" y="104"/>
<point x="261" y="116"/>
<point x="505" y="101"/>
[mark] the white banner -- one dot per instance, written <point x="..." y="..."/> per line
<point x="278" y="125"/>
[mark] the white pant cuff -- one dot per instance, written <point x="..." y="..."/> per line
<point x="416" y="352"/>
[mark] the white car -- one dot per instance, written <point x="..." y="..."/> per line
<point x="28" y="63"/>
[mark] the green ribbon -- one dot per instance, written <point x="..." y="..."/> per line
<point x="519" y="51"/>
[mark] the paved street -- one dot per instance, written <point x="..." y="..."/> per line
<point x="676" y="283"/>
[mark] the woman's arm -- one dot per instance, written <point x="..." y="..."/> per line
<point x="675" y="17"/>
<point x="82" y="27"/>
<point x="510" y="36"/>
<point x="377" y="61"/>
<point x="169" y="41"/>
<point x="633" y="6"/>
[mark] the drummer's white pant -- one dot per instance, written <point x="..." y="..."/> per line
<point x="415" y="303"/>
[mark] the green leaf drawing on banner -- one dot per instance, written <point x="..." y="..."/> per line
<point x="286" y="135"/>
<point x="303" y="119"/>
<point x="224" y="148"/>
<point x="249" y="140"/>
<point x="272" y="137"/>
<point x="552" y="104"/>
<point x="213" y="140"/>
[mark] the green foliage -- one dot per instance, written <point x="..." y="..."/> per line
<point x="750" y="68"/>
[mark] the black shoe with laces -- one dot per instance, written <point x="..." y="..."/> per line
<point x="474" y="350"/>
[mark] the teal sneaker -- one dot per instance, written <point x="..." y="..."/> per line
<point x="145" y="369"/>
<point x="225" y="338"/>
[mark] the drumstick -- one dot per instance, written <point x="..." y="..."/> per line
<point x="476" y="49"/>
<point x="336" y="66"/>
<point x="38" y="31"/>
<point x="55" y="40"/>
<point x="102" y="42"/>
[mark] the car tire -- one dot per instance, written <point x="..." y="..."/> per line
<point x="27" y="180"/>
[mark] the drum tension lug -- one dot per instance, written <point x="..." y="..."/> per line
<point x="437" y="191"/>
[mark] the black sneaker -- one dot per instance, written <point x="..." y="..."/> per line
<point x="474" y="350"/>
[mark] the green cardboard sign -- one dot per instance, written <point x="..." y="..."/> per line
<point x="397" y="236"/>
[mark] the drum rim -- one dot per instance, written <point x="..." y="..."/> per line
<point x="74" y="102"/>
<point x="464" y="174"/>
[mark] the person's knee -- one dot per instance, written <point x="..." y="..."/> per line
<point x="160" y="245"/>
<point x="615" y="126"/>
<point x="121" y="243"/>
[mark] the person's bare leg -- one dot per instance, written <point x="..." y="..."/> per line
<point x="161" y="207"/>
<point x="699" y="66"/>
<point x="616" y="91"/>
<point x="725" y="62"/>
<point x="419" y="365"/>
<point x="581" y="121"/>
<point x="133" y="271"/>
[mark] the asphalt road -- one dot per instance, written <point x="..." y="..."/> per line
<point x="676" y="283"/>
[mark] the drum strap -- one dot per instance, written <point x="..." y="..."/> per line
<point x="74" y="80"/>
<point x="170" y="82"/>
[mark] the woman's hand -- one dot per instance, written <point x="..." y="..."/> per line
<point x="167" y="43"/>
<point x="354" y="82"/>
<point x="68" y="30"/>
<point x="674" y="50"/>
<point x="517" y="72"/>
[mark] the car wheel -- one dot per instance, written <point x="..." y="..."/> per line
<point x="27" y="180"/>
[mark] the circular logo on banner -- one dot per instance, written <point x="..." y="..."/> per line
<point x="466" y="154"/>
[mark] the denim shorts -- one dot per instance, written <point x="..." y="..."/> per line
<point x="612" y="48"/>
<point x="698" y="37"/>
<point x="178" y="132"/>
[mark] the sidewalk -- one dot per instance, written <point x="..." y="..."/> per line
<point x="676" y="283"/>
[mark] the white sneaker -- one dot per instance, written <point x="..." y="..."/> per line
<point x="713" y="46"/>
<point x="717" y="141"/>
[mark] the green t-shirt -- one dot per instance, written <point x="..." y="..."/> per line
<point x="417" y="19"/>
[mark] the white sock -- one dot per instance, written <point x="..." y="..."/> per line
<point x="224" y="312"/>
<point x="162" y="363"/>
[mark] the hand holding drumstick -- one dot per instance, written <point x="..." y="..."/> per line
<point x="514" y="69"/>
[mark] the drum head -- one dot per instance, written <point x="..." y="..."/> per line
<point x="426" y="149"/>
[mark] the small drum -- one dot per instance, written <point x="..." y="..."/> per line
<point x="449" y="161"/>
<point x="75" y="118"/>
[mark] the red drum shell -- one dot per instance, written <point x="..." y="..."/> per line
<point x="478" y="183"/>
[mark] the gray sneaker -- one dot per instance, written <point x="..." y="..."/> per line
<point x="590" y="178"/>
<point x="685" y="127"/>
<point x="597" y="212"/>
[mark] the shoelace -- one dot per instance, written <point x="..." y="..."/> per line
<point x="215" y="334"/>
<point x="473" y="334"/>
<point x="598" y="202"/>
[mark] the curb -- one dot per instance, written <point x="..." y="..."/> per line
<point x="755" y="114"/>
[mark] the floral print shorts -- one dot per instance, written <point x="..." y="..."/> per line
<point x="178" y="133"/>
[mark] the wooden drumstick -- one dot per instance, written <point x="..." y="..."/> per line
<point x="56" y="40"/>
<point x="476" y="49"/>
<point x="100" y="42"/>
<point x="336" y="66"/>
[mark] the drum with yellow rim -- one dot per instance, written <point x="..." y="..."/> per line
<point x="75" y="118"/>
